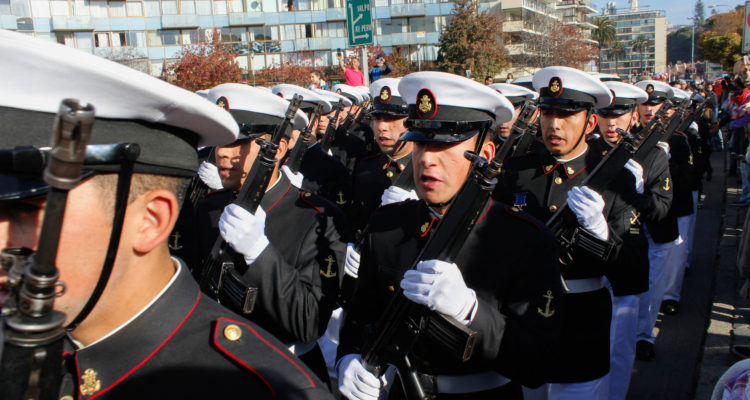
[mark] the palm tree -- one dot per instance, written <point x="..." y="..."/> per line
<point x="604" y="33"/>
<point x="616" y="52"/>
<point x="640" y="45"/>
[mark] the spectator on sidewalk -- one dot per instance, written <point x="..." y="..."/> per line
<point x="381" y="69"/>
<point x="317" y="82"/>
<point x="740" y="118"/>
<point x="354" y="76"/>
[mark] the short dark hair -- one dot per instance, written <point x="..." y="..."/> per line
<point x="489" y="77"/>
<point x="317" y="73"/>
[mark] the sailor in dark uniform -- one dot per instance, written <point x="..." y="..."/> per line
<point x="628" y="277"/>
<point x="293" y="246"/>
<point x="150" y="333"/>
<point x="346" y="147"/>
<point x="512" y="305"/>
<point x="540" y="182"/>
<point x="518" y="95"/>
<point x="376" y="173"/>
<point x="661" y="229"/>
<point x="686" y="183"/>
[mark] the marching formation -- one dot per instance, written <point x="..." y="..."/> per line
<point x="426" y="237"/>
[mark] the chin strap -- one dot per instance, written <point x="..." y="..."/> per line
<point x="124" y="177"/>
<point x="583" y="134"/>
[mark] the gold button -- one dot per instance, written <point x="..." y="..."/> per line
<point x="233" y="333"/>
<point x="558" y="180"/>
<point x="307" y="194"/>
<point x="391" y="288"/>
<point x="389" y="174"/>
<point x="553" y="208"/>
<point x="66" y="397"/>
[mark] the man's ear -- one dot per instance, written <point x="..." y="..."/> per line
<point x="591" y="123"/>
<point x="488" y="150"/>
<point x="281" y="151"/>
<point x="155" y="217"/>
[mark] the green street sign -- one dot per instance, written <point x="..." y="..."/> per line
<point x="359" y="22"/>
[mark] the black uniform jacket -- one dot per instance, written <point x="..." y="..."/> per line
<point x="509" y="259"/>
<point x="348" y="149"/>
<point x="537" y="183"/>
<point x="325" y="176"/>
<point x="683" y="174"/>
<point x="299" y="273"/>
<point x="186" y="346"/>
<point x="371" y="177"/>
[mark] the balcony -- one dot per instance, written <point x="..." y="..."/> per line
<point x="245" y="19"/>
<point x="179" y="21"/>
<point x="406" y="38"/>
<point x="407" y="10"/>
<point x="8" y="22"/>
<point x="63" y="23"/>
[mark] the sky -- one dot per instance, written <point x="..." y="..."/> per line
<point x="678" y="11"/>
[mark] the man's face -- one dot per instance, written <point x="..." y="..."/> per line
<point x="503" y="130"/>
<point x="345" y="111"/>
<point x="83" y="240"/>
<point x="314" y="79"/>
<point x="440" y="169"/>
<point x="562" y="130"/>
<point x="234" y="162"/>
<point x="608" y="125"/>
<point x="380" y="60"/>
<point x="355" y="63"/>
<point x="647" y="112"/>
<point x="387" y="129"/>
<point x="323" y="122"/>
<point x="489" y="81"/>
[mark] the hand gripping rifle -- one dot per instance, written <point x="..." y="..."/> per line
<point x="675" y="121"/>
<point x="218" y="276"/>
<point x="330" y="133"/>
<point x="564" y="225"/>
<point x="693" y="115"/>
<point x="522" y="141"/>
<point x="404" y="321"/>
<point x="197" y="189"/>
<point x="306" y="139"/>
<point x="34" y="332"/>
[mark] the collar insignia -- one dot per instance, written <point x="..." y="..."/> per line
<point x="426" y="104"/>
<point x="555" y="86"/>
<point x="385" y="95"/>
<point x="424" y="227"/>
<point x="570" y="171"/>
<point x="223" y="103"/>
<point x="548" y="168"/>
<point x="90" y="384"/>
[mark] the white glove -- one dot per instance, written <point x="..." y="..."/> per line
<point x="357" y="383"/>
<point x="664" y="146"/>
<point x="243" y="231"/>
<point x="351" y="265"/>
<point x="395" y="194"/>
<point x="637" y="171"/>
<point x="440" y="286"/>
<point x="588" y="207"/>
<point x="296" y="179"/>
<point x="209" y="174"/>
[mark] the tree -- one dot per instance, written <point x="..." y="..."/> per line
<point x="616" y="52"/>
<point x="551" y="42"/>
<point x="472" y="41"/>
<point x="679" y="42"/>
<point x="205" y="65"/>
<point x="699" y="13"/>
<point x="639" y="45"/>
<point x="604" y="33"/>
<point x="295" y="69"/>
<point x="397" y="59"/>
<point x="722" y="40"/>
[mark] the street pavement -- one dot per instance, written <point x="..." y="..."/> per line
<point x="693" y="347"/>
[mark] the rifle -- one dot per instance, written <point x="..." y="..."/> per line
<point x="522" y="144"/>
<point x="306" y="139"/>
<point x="404" y="321"/>
<point x="197" y="189"/>
<point x="33" y="330"/>
<point x="520" y="129"/>
<point x="675" y="121"/>
<point x="564" y="224"/>
<point x="328" y="136"/>
<point x="218" y="276"/>
<point x="692" y="116"/>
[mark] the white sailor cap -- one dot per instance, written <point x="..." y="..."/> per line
<point x="310" y="99"/>
<point x="525" y="81"/>
<point x="570" y="89"/>
<point x="168" y="122"/>
<point x="657" y="91"/>
<point x="363" y="91"/>
<point x="202" y="93"/>
<point x="450" y="108"/>
<point x="679" y="95"/>
<point x="516" y="94"/>
<point x="332" y="97"/>
<point x="387" y="99"/>
<point x="257" y="111"/>
<point x="349" y="92"/>
<point x="606" y="77"/>
<point x="626" y="96"/>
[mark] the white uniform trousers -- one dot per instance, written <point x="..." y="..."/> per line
<point x="622" y="338"/>
<point x="676" y="265"/>
<point x="650" y="301"/>
<point x="589" y="390"/>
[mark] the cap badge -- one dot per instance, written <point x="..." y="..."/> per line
<point x="385" y="94"/>
<point x="426" y="104"/>
<point x="280" y="95"/>
<point x="555" y="86"/>
<point x="223" y="103"/>
<point x="649" y="88"/>
<point x="338" y="91"/>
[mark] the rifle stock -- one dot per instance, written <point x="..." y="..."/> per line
<point x="330" y="132"/>
<point x="304" y="142"/>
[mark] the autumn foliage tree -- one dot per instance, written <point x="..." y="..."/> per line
<point x="205" y="65"/>
<point x="551" y="42"/>
<point x="722" y="41"/>
<point x="472" y="41"/>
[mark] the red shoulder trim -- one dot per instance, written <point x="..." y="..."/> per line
<point x="522" y="217"/>
<point x="267" y="343"/>
<point x="432" y="222"/>
<point x="486" y="210"/>
<point x="140" y="364"/>
<point x="303" y="198"/>
<point x="277" y="201"/>
<point x="680" y="133"/>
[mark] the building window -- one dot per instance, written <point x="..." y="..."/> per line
<point x="134" y="8"/>
<point x="169" y="7"/>
<point x="25" y="24"/>
<point x="171" y="37"/>
<point x="220" y="7"/>
<point x="40" y="8"/>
